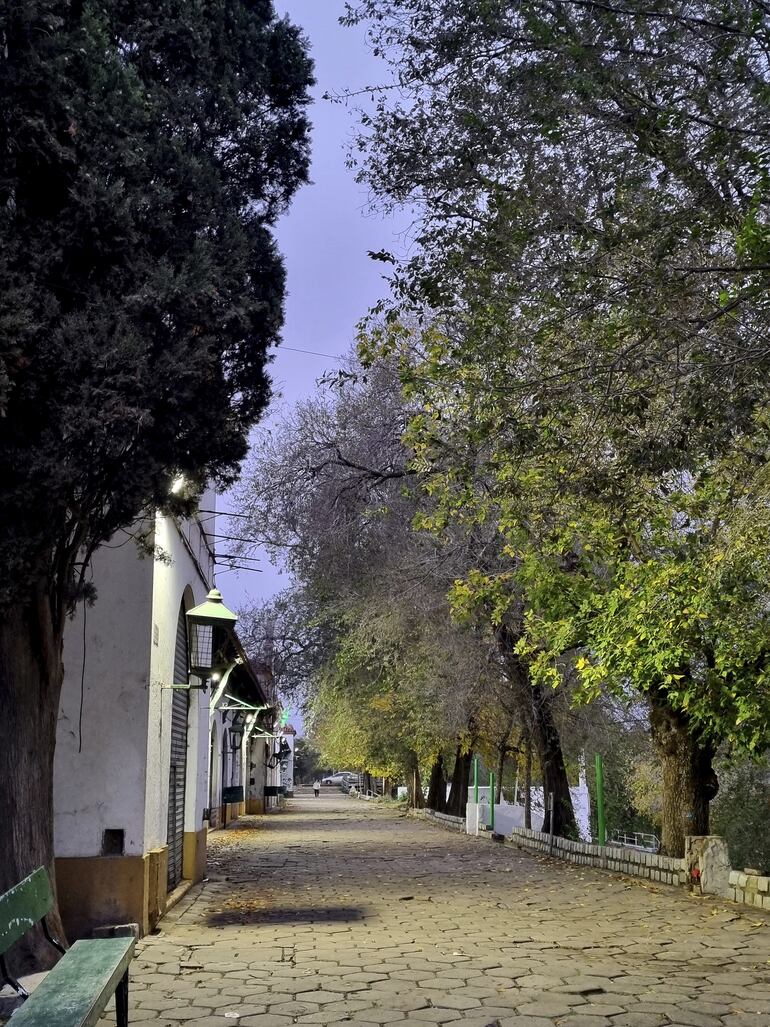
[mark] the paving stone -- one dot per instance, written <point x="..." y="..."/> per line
<point x="605" y="1005"/>
<point x="441" y="984"/>
<point x="294" y="1008"/>
<point x="181" y="1014"/>
<point x="327" y="1016"/>
<point x="407" y="1000"/>
<point x="262" y="1020"/>
<point x="455" y="1001"/>
<point x="692" y="1019"/>
<point x="583" y="1020"/>
<point x="377" y="1015"/>
<point x="636" y="1019"/>
<point x="436" y="1015"/>
<point x="365" y="978"/>
<point x="526" y="1021"/>
<point x="545" y="1007"/>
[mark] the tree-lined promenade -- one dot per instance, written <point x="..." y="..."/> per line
<point x="528" y="519"/>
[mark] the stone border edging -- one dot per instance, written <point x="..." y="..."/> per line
<point x="440" y="819"/>
<point x="648" y="865"/>
<point x="706" y="860"/>
<point x="750" y="889"/>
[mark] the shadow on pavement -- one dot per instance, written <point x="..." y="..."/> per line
<point x="300" y="915"/>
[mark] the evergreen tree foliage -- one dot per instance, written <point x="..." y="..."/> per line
<point x="742" y="811"/>
<point x="145" y="151"/>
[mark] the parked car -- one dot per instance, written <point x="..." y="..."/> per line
<point x="345" y="777"/>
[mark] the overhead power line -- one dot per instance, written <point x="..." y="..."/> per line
<point x="228" y="567"/>
<point x="311" y="353"/>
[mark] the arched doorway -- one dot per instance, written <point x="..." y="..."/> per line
<point x="180" y="702"/>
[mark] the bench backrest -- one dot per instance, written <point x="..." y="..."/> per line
<point x="24" y="906"/>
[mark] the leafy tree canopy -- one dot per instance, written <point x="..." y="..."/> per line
<point x="590" y="187"/>
<point x="593" y="177"/>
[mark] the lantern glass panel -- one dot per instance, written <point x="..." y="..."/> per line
<point x="201" y="646"/>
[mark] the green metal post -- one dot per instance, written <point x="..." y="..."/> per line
<point x="491" y="802"/>
<point x="600" y="800"/>
<point x="476" y="780"/>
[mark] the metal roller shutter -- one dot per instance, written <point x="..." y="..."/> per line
<point x="178" y="769"/>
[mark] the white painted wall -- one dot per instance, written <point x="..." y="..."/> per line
<point x="102" y="785"/>
<point x="120" y="779"/>
<point x="214" y="784"/>
<point x="197" y="761"/>
<point x="509" y="815"/>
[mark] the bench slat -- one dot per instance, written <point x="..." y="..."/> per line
<point x="24" y="906"/>
<point x="77" y="990"/>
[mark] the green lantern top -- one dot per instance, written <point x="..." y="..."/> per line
<point x="213" y="612"/>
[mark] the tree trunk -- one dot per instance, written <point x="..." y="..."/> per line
<point x="31" y="673"/>
<point x="500" y="769"/>
<point x="551" y="759"/>
<point x="536" y="702"/>
<point x="528" y="786"/>
<point x="414" y="784"/>
<point x="437" y="786"/>
<point x="689" y="781"/>
<point x="461" y="776"/>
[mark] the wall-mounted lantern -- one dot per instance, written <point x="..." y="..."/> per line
<point x="202" y="621"/>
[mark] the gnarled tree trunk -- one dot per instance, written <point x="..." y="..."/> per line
<point x="31" y="673"/>
<point x="461" y="776"/>
<point x="536" y="703"/>
<point x="551" y="757"/>
<point x="437" y="786"/>
<point x="689" y="780"/>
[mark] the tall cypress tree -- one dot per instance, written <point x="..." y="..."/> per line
<point x="146" y="149"/>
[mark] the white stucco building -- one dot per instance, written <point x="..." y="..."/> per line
<point x="143" y="770"/>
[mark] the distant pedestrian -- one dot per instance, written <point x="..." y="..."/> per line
<point x="316" y="788"/>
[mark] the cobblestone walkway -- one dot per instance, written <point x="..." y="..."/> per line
<point x="339" y="912"/>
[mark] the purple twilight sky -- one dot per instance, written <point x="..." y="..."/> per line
<point x="324" y="239"/>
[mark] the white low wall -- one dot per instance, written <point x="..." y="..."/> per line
<point x="442" y="819"/>
<point x="750" y="889"/>
<point x="509" y="815"/>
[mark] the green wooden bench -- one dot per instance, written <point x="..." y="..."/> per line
<point x="76" y="992"/>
